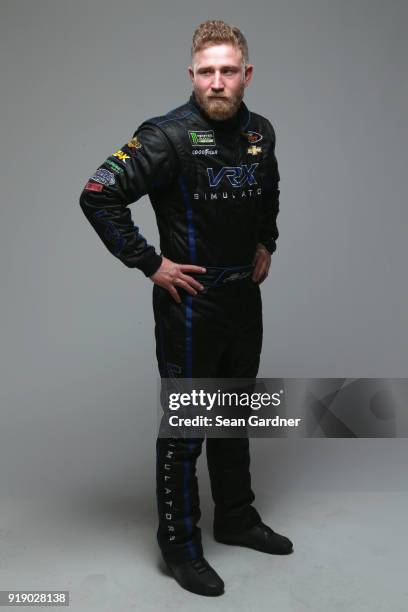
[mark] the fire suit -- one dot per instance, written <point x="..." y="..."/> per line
<point x="213" y="185"/>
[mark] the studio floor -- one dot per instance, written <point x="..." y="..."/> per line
<point x="349" y="554"/>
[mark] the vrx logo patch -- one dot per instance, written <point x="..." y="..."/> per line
<point x="237" y="175"/>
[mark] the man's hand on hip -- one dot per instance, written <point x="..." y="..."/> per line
<point x="171" y="275"/>
<point x="262" y="262"/>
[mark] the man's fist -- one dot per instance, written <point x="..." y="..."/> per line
<point x="171" y="275"/>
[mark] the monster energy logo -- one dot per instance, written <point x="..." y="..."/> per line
<point x="202" y="137"/>
<point x="114" y="166"/>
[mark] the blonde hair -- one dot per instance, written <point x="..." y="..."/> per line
<point x="215" y="32"/>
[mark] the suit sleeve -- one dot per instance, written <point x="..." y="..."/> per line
<point x="270" y="205"/>
<point x="144" y="162"/>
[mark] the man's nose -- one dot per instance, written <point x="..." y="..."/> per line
<point x="217" y="82"/>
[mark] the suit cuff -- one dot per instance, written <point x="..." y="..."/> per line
<point x="151" y="263"/>
<point x="270" y="245"/>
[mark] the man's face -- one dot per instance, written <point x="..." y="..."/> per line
<point x="219" y="79"/>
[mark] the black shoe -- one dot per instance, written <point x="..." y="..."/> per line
<point x="197" y="576"/>
<point x="259" y="537"/>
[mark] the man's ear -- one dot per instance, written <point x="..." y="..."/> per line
<point x="249" y="71"/>
<point x="191" y="73"/>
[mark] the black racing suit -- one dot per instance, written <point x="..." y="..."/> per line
<point x="213" y="185"/>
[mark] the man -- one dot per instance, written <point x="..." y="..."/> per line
<point x="211" y="174"/>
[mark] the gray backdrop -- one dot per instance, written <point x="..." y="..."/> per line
<point x="79" y="374"/>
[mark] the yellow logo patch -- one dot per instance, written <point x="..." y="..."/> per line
<point x="134" y="143"/>
<point x="254" y="150"/>
<point x="121" y="155"/>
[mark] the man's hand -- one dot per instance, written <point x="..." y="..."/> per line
<point x="262" y="262"/>
<point x="171" y="275"/>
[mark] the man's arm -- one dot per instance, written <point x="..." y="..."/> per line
<point x="123" y="178"/>
<point x="268" y="234"/>
<point x="270" y="205"/>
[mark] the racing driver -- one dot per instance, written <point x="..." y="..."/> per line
<point x="210" y="171"/>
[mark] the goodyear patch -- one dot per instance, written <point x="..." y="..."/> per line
<point x="200" y="138"/>
<point x="114" y="167"/>
<point x="121" y="155"/>
<point x="204" y="152"/>
<point x="93" y="186"/>
<point x="103" y="176"/>
<point x="134" y="143"/>
<point x="252" y="136"/>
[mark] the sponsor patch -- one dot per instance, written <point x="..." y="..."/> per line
<point x="205" y="152"/>
<point x="134" y="143"/>
<point x="121" y="155"/>
<point x="103" y="176"/>
<point x="237" y="176"/>
<point x="112" y="234"/>
<point x="173" y="370"/>
<point x="115" y="167"/>
<point x="252" y="136"/>
<point x="254" y="150"/>
<point x="201" y="138"/>
<point x="228" y="195"/>
<point x="93" y="186"/>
